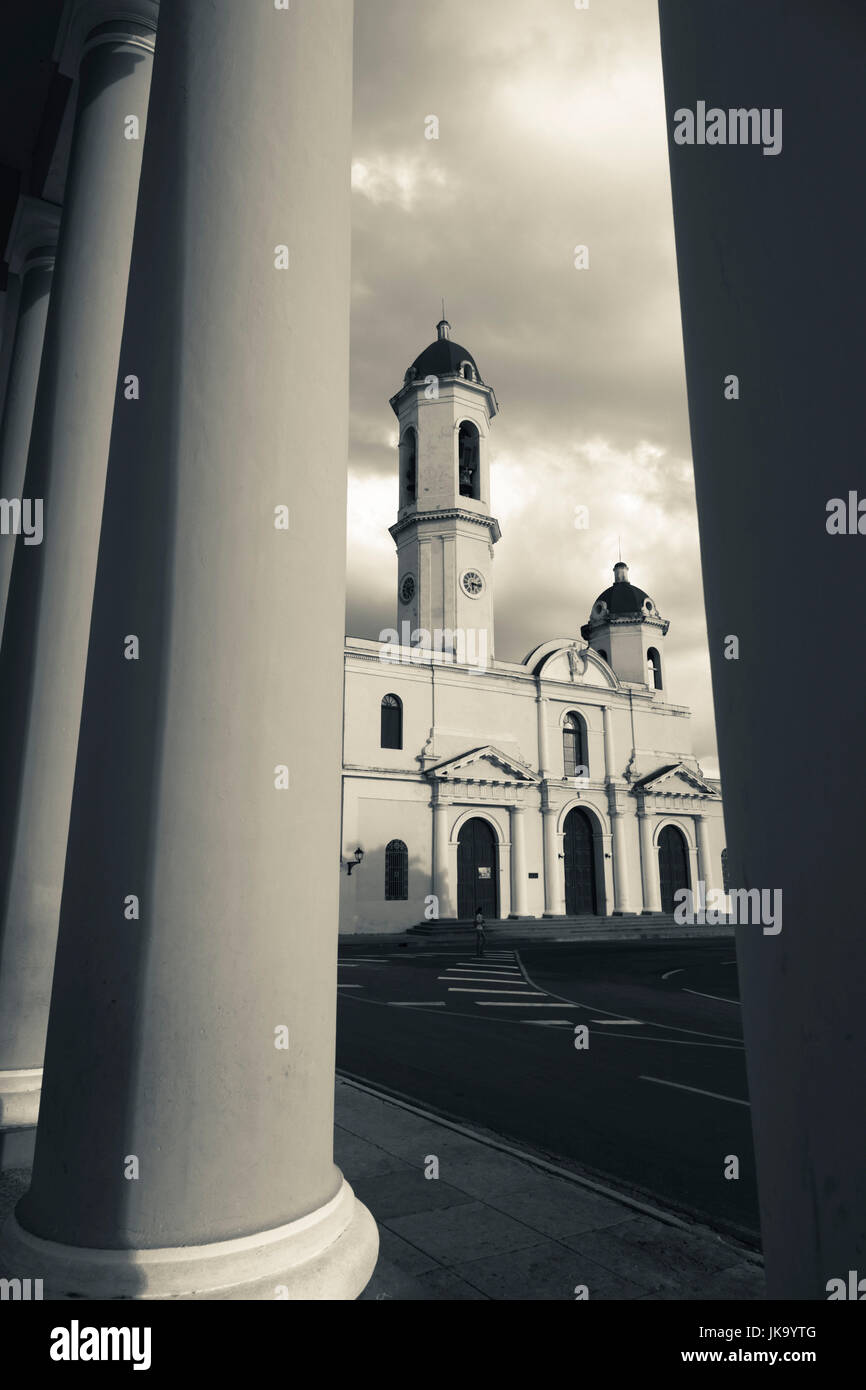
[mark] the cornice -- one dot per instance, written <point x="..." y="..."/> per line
<point x="446" y="514"/>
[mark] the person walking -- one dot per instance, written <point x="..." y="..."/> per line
<point x="479" y="932"/>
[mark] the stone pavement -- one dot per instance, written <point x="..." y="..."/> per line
<point x="497" y="1226"/>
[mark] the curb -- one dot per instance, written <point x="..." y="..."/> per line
<point x="657" y="1213"/>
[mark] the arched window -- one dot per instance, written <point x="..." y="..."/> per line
<point x="469" y="461"/>
<point x="574" y="746"/>
<point x="603" y="654"/>
<point x="468" y="372"/>
<point x="392" y="722"/>
<point x="408" y="467"/>
<point x="396" y="871"/>
<point x="653" y="669"/>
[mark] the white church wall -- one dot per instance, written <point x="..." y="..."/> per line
<point x="381" y="811"/>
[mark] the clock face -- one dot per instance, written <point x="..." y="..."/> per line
<point x="407" y="589"/>
<point x="473" y="583"/>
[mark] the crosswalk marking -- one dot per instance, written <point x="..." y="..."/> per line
<point x="617" y="1022"/>
<point x="417" y="1003"/>
<point x="547" y="1022"/>
<point x="461" y="989"/>
<point x="510" y="1004"/>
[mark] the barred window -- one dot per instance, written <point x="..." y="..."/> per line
<point x="396" y="871"/>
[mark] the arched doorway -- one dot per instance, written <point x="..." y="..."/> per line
<point x="477" y="869"/>
<point x="579" y="847"/>
<point x="673" y="865"/>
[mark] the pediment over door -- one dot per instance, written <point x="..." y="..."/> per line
<point x="487" y="764"/>
<point x="676" y="779"/>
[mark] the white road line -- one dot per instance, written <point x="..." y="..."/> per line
<point x="668" y="973"/>
<point x="368" y="960"/>
<point x="547" y="1022"/>
<point x="479" y="979"/>
<point x="714" y="1095"/>
<point x="648" y="1022"/>
<point x="459" y="989"/>
<point x="735" y="1002"/>
<point x="729" y="962"/>
<point x="616" y="1022"/>
<point x="509" y="1004"/>
<point x="512" y="969"/>
<point x="339" y="986"/>
<point x="417" y="1003"/>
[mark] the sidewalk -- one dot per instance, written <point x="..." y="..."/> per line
<point x="497" y="1226"/>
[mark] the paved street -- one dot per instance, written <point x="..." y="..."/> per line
<point x="656" y="1103"/>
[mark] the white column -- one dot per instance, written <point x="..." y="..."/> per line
<point x="694" y="875"/>
<point x="706" y="861"/>
<point x="208" y="1050"/>
<point x="620" y="863"/>
<point x="554" y="876"/>
<point x="543" y="749"/>
<point x="519" y="883"/>
<point x="609" y="746"/>
<point x="442" y="885"/>
<point x="44" y="647"/>
<point x="649" y="863"/>
<point x="30" y="254"/>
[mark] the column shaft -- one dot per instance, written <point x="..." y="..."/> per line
<point x="209" y="770"/>
<point x="39" y="223"/>
<point x="44" y="645"/>
<point x="519" y="884"/>
<point x="543" y="749"/>
<point x="706" y="862"/>
<point x="620" y="863"/>
<point x="442" y="887"/>
<point x="554" y="880"/>
<point x="649" y="865"/>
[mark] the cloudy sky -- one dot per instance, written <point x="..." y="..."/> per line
<point x="551" y="134"/>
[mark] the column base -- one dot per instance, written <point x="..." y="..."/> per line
<point x="328" y="1255"/>
<point x="20" y="1092"/>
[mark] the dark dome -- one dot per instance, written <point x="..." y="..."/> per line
<point x="622" y="599"/>
<point x="442" y="358"/>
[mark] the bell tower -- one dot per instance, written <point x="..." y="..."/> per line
<point x="445" y="532"/>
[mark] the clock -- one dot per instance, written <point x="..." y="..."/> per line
<point x="472" y="583"/>
<point x="407" y="589"/>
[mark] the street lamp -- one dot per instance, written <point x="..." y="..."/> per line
<point x="359" y="855"/>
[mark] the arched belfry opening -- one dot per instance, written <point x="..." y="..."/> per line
<point x="469" y="460"/>
<point x="653" y="669"/>
<point x="409" y="468"/>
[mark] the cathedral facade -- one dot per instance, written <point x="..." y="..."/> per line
<point x="561" y="786"/>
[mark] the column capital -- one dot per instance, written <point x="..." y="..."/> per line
<point x="35" y="228"/>
<point x="118" y="21"/>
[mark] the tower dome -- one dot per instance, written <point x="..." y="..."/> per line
<point x="626" y="629"/>
<point x="444" y="358"/>
<point x="621" y="600"/>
